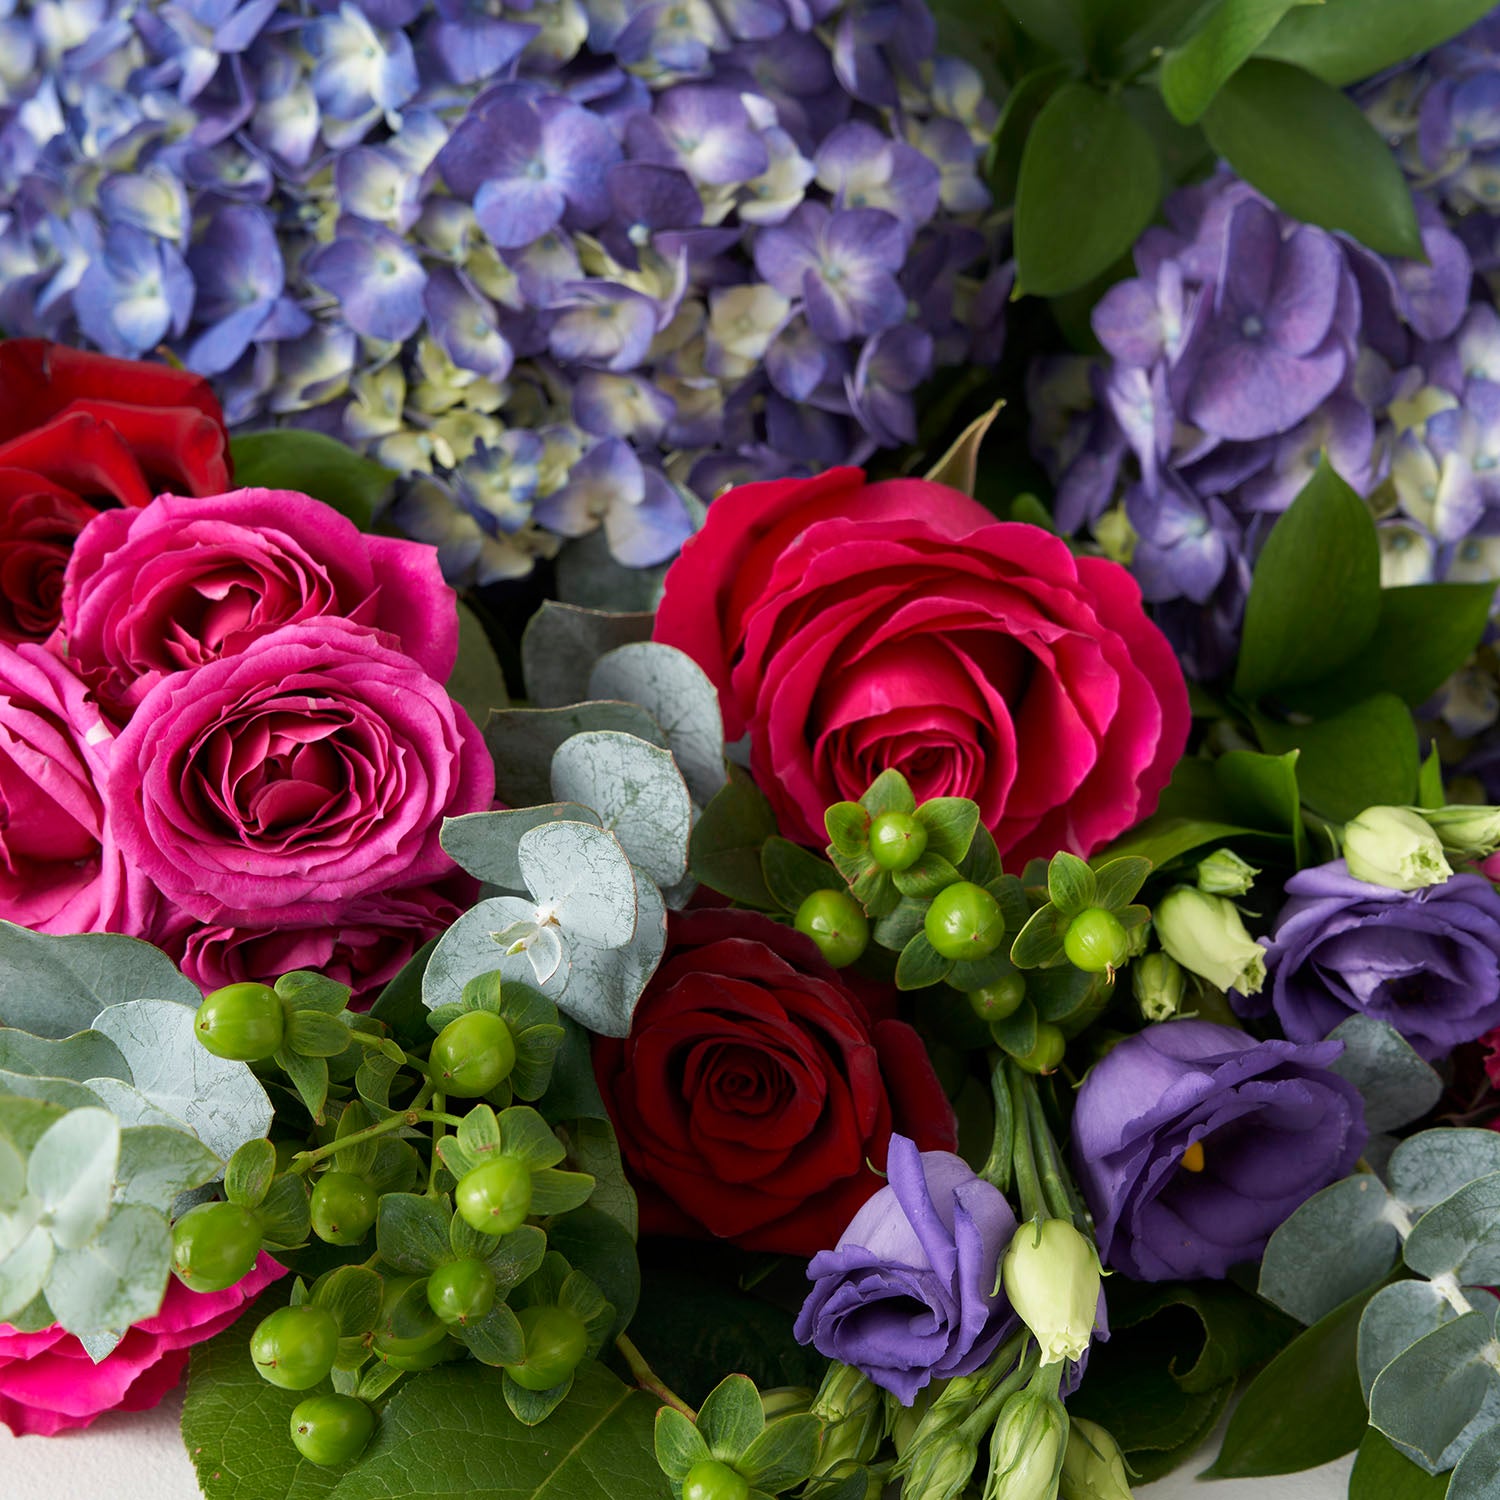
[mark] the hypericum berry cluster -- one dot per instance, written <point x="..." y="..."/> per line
<point x="1034" y="956"/>
<point x="461" y="1266"/>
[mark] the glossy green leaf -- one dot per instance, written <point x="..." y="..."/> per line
<point x="1261" y="122"/>
<point x="1382" y="1473"/>
<point x="1343" y="41"/>
<point x="793" y="873"/>
<point x="1191" y="74"/>
<point x="291" y="458"/>
<point x="731" y="1418"/>
<point x="476" y="683"/>
<point x="1089" y="183"/>
<point x="724" y="848"/>
<point x="1322" y="547"/>
<point x="921" y="965"/>
<point x="1305" y="1408"/>
<point x="1058" y="24"/>
<point x="784" y="1454"/>
<point x="1071" y="885"/>
<point x="679" y="1444"/>
<point x="1040" y="942"/>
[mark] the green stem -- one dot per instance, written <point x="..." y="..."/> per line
<point x="1028" y="1184"/>
<point x="1057" y="1186"/>
<point x="648" y="1380"/>
<point x="375" y="1044"/>
<point x="997" y="1169"/>
<point x="304" y="1161"/>
<point x="982" y="1418"/>
<point x="438" y="1100"/>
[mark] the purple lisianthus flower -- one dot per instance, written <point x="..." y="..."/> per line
<point x="1194" y="1141"/>
<point x="908" y="1296"/>
<point x="1426" y="962"/>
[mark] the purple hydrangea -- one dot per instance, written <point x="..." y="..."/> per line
<point x="1193" y="1142"/>
<point x="910" y="1293"/>
<point x="1427" y="962"/>
<point x="629" y="250"/>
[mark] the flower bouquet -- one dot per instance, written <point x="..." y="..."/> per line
<point x="749" y="748"/>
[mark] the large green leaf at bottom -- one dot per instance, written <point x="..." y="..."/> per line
<point x="1381" y="1473"/>
<point x="237" y="1426"/>
<point x="448" y="1435"/>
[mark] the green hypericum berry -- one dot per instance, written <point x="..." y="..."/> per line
<point x="295" y="1347"/>
<point x="1096" y="942"/>
<point x="472" y="1054"/>
<point x="996" y="1002"/>
<point x="1047" y="1053"/>
<point x="461" y="1292"/>
<point x="897" y="841"/>
<point x="555" y="1342"/>
<point x="711" y="1480"/>
<point x="836" y="922"/>
<point x="343" y="1208"/>
<point x="964" y="921"/>
<point x="214" y="1245"/>
<point x="495" y="1197"/>
<point x="407" y="1325"/>
<point x="332" y="1430"/>
<point x="241" y="1022"/>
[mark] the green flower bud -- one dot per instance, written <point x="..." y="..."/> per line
<point x="939" y="1467"/>
<point x="1465" y="832"/>
<point x="855" y="1418"/>
<point x="1224" y="873"/>
<point x="1205" y="935"/>
<point x="1051" y="1274"/>
<point x="1093" y="1468"/>
<point x="1026" y="1448"/>
<point x="1394" y="847"/>
<point x="1158" y="984"/>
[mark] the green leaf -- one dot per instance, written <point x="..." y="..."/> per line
<point x="1425" y="633"/>
<point x="1381" y="1473"/>
<point x="289" y="458"/>
<point x="235" y="1423"/>
<point x="1057" y="24"/>
<point x="921" y="965"/>
<point x="724" y="849"/>
<point x="731" y="1418"/>
<point x="352" y="1294"/>
<point x="497" y="1338"/>
<point x="524" y="740"/>
<point x="1337" y="1243"/>
<point x="592" y="1148"/>
<point x="55" y="986"/>
<point x="573" y="1093"/>
<point x="310" y="1033"/>
<point x="1089" y="183"/>
<point x="1017" y="1032"/>
<point x="1363" y="757"/>
<point x="959" y="466"/>
<point x="284" y="1214"/>
<point x="1071" y="885"/>
<point x="248" y="1176"/>
<point x="449" y="1434"/>
<point x="1322" y="547"/>
<point x="924" y="879"/>
<point x="784" y="1454"/>
<point x="1040" y="942"/>
<point x="399" y="1004"/>
<point x="1477" y="1475"/>
<point x="1346" y="40"/>
<point x="679" y="1444"/>
<point x="1459" y="1237"/>
<point x="951" y="823"/>
<point x="1118" y="882"/>
<point x="601" y="1247"/>
<point x="1262" y="121"/>
<point x="1396" y="1085"/>
<point x="562" y="642"/>
<point x="793" y="873"/>
<point x="554" y="1192"/>
<point x="304" y="990"/>
<point x="1305" y="1408"/>
<point x="889" y="792"/>
<point x="476" y="682"/>
<point x="1194" y="72"/>
<point x="1430" y="793"/>
<point x="1017" y="116"/>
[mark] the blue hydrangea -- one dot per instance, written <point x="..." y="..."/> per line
<point x="569" y="265"/>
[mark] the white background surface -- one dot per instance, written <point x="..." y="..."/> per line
<point x="141" y="1457"/>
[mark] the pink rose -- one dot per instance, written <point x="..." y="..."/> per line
<point x="853" y="627"/>
<point x="49" y="1383"/>
<point x="314" y="768"/>
<point x="61" y="868"/>
<point x="183" y="582"/>
<point x="365" y="948"/>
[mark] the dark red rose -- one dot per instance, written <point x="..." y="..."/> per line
<point x="756" y="1088"/>
<point x="79" y="433"/>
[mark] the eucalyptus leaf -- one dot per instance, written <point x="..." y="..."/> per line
<point x="1340" y="1241"/>
<point x="638" y="792"/>
<point x="222" y="1102"/>
<point x="1400" y="1314"/>
<point x="524" y="740"/>
<point x="131" y="1107"/>
<point x="1433" y="1165"/>
<point x="80" y="1057"/>
<point x="605" y="984"/>
<point x="24" y="1272"/>
<point x="562" y="642"/>
<point x="157" y="1164"/>
<point x="676" y="692"/>
<point x="71" y="1174"/>
<point x="1396" y="1085"/>
<point x="583" y="877"/>
<point x="1477" y="1476"/>
<point x="55" y="986"/>
<point x="485" y="843"/>
<point x="118" y="1278"/>
<point x="469" y="949"/>
<point x="1459" y="1237"/>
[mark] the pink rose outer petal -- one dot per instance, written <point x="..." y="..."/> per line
<point x="48" y="1382"/>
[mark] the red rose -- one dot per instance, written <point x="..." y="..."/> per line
<point x="755" y="1088"/>
<point x="853" y="628"/>
<point x="79" y="432"/>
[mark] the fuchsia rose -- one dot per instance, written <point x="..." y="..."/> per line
<point x="48" y="1382"/>
<point x="313" y="768"/>
<point x="365" y="948"/>
<point x="183" y="582"/>
<point x="854" y="628"/>
<point x="61" y="869"/>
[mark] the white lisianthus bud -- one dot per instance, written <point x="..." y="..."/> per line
<point x="1465" y="832"/>
<point x="1093" y="1467"/>
<point x="1205" y="935"/>
<point x="1026" y="1449"/>
<point x="1158" y="984"/>
<point x="1396" y="848"/>
<point x="1224" y="873"/>
<point x="1051" y="1274"/>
